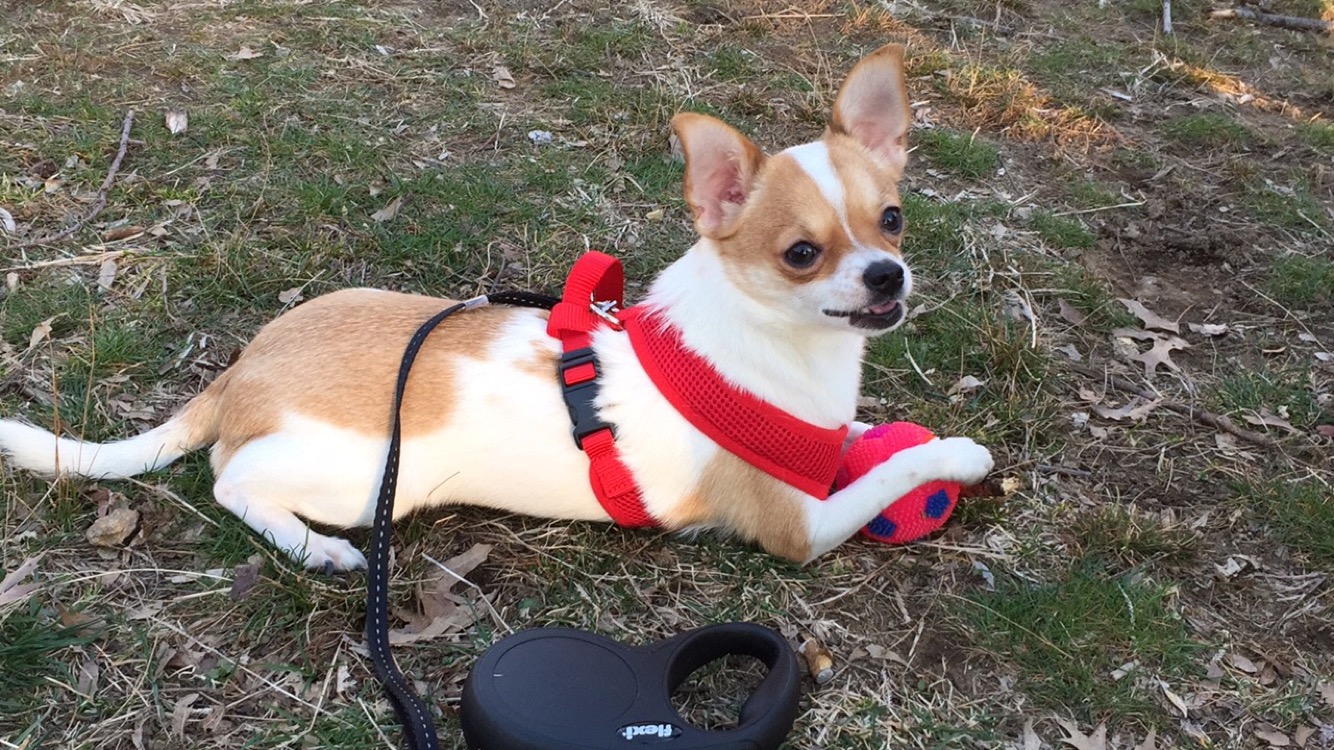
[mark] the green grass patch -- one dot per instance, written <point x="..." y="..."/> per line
<point x="1207" y="129"/>
<point x="1091" y="194"/>
<point x="964" y="155"/>
<point x="1091" y="297"/>
<point x="1301" y="281"/>
<point x="1319" y="136"/>
<point x="1300" y="512"/>
<point x="1124" y="536"/>
<point x="1248" y="390"/>
<point x="1062" y="231"/>
<point x="31" y="641"/>
<point x="1067" y="635"/>
<point x="1291" y="207"/>
<point x="729" y="63"/>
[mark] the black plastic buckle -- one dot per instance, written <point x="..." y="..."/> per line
<point x="580" y="397"/>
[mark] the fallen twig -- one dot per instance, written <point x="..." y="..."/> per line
<point x="1218" y="421"/>
<point x="78" y="260"/>
<point x="1167" y="17"/>
<point x="999" y="28"/>
<point x="1271" y="19"/>
<point x="101" y="201"/>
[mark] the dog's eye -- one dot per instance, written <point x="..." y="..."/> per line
<point x="801" y="255"/>
<point x="891" y="221"/>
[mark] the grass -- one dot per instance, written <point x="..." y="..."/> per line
<point x="1207" y="129"/>
<point x="961" y="154"/>
<point x="289" y="156"/>
<point x="1300" y="281"/>
<point x="1061" y="231"/>
<point x="1301" y="511"/>
<point x="1090" y="622"/>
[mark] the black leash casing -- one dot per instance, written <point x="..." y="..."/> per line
<point x="418" y="727"/>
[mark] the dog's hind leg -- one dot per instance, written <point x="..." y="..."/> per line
<point x="285" y="530"/>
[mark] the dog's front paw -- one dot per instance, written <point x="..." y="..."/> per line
<point x="956" y="459"/>
<point x="330" y="555"/>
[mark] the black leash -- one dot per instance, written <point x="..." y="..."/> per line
<point x="418" y="728"/>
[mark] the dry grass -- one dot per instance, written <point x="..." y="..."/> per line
<point x="1038" y="201"/>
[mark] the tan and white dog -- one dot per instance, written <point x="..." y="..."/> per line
<point x="798" y="262"/>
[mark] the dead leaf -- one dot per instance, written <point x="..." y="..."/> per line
<point x="1209" y="329"/>
<point x="289" y="296"/>
<point x="123" y="232"/>
<point x="1081" y="741"/>
<point x="1326" y="429"/>
<point x="245" y="53"/>
<point x="7" y="222"/>
<point x="1150" y="740"/>
<point x="501" y="75"/>
<point x="1136" y="409"/>
<point x="1327" y="692"/>
<point x="52" y="184"/>
<point x="1071" y="352"/>
<point x="1071" y="314"/>
<point x="87" y="680"/>
<point x="1030" y="737"/>
<point x="1274" y="737"/>
<point x="655" y="215"/>
<point x="965" y="384"/>
<point x="12" y="589"/>
<point x="181" y="713"/>
<point x="177" y="120"/>
<point x="1161" y="354"/>
<point x="113" y="529"/>
<point x="106" y="275"/>
<point x="439" y="609"/>
<point x="41" y="332"/>
<point x="12" y="280"/>
<point x="389" y="211"/>
<point x="344" y="682"/>
<point x="1242" y="663"/>
<point x="244" y="578"/>
<point x="1302" y="735"/>
<point x="1175" y="699"/>
<point x="1149" y="318"/>
<point x="1266" y="418"/>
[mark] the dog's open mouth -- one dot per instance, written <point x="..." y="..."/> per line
<point x="874" y="317"/>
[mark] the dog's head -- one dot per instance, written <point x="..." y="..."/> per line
<point x="812" y="233"/>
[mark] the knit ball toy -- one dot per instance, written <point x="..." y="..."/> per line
<point x="916" y="514"/>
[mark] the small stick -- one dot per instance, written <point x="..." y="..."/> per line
<point x="1218" y="421"/>
<point x="1285" y="22"/>
<point x="1167" y="17"/>
<point x="78" y="260"/>
<point x="101" y="201"/>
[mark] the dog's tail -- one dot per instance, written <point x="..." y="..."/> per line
<point x="39" y="450"/>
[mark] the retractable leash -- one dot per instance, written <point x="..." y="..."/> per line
<point x="563" y="689"/>
<point x="418" y="728"/>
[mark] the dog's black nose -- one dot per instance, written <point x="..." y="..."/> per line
<point x="884" y="277"/>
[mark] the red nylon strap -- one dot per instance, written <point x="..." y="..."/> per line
<point x="798" y="453"/>
<point x="597" y="277"/>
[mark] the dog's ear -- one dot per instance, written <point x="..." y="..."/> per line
<point x="873" y="108"/>
<point x="721" y="165"/>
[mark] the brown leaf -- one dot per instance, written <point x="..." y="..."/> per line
<point x="1327" y="692"/>
<point x="181" y="713"/>
<point x="1149" y="318"/>
<point x="965" y="384"/>
<point x="113" y="529"/>
<point x="1302" y="735"/>
<point x="1242" y="663"/>
<point x="289" y="296"/>
<point x="122" y="232"/>
<point x="1150" y="740"/>
<point x="1071" y="314"/>
<point x="12" y="589"/>
<point x="1161" y="354"/>
<point x="106" y="275"/>
<point x="1175" y="699"/>
<point x="1081" y="741"/>
<point x="177" y="120"/>
<point x="244" y="578"/>
<point x="87" y="681"/>
<point x="1135" y="409"/>
<point x="1325" y="429"/>
<point x="1275" y="738"/>
<point x="40" y="332"/>
<point x="1030" y="737"/>
<point x="439" y="610"/>
<point x="1267" y="418"/>
<point x="389" y="211"/>
<point x="501" y="75"/>
<point x="245" y="53"/>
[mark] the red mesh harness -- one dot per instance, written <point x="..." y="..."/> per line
<point x="798" y="453"/>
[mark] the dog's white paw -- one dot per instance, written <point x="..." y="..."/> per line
<point x="329" y="554"/>
<point x="955" y="459"/>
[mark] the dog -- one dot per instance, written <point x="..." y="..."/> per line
<point x="797" y="264"/>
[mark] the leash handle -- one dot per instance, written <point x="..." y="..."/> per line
<point x="418" y="728"/>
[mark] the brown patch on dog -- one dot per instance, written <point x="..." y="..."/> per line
<point x="541" y="363"/>
<point x="734" y="495"/>
<point x="869" y="187"/>
<point x="336" y="359"/>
